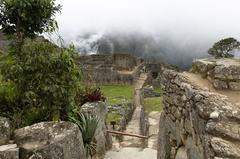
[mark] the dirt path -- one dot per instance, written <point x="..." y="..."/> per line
<point x="196" y="79"/>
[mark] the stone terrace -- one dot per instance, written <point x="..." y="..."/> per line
<point x="110" y="69"/>
<point x="222" y="73"/>
<point x="200" y="120"/>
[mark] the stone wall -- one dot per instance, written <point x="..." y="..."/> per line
<point x="8" y="150"/>
<point x="102" y="138"/>
<point x="124" y="61"/>
<point x="196" y="124"/>
<point x="108" y="75"/>
<point x="126" y="117"/>
<point x="110" y="69"/>
<point x="144" y="124"/>
<point x="222" y="73"/>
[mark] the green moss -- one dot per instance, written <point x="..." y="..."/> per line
<point x="153" y="104"/>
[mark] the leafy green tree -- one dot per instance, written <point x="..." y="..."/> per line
<point x="224" y="47"/>
<point x="26" y="18"/>
<point x="44" y="80"/>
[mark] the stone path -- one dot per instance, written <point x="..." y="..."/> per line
<point x="130" y="147"/>
<point x="153" y="118"/>
<point x="133" y="126"/>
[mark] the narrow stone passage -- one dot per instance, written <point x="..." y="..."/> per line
<point x="153" y="118"/>
<point x="133" y="126"/>
<point x="131" y="147"/>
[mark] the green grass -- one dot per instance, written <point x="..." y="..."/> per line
<point x="116" y="93"/>
<point x="113" y="117"/>
<point x="153" y="104"/>
<point x="157" y="89"/>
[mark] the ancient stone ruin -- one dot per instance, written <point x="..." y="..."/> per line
<point x="110" y="69"/>
<point x="198" y="120"/>
<point x="222" y="73"/>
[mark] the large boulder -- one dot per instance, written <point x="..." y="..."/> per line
<point x="102" y="138"/>
<point x="5" y="130"/>
<point x="50" y="140"/>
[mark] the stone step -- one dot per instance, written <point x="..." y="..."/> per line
<point x="132" y="153"/>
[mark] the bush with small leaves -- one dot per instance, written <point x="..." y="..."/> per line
<point x="45" y="80"/>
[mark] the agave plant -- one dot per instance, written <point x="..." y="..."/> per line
<point x="88" y="124"/>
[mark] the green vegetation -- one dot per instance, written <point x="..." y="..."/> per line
<point x="39" y="84"/>
<point x="153" y="104"/>
<point x="224" y="47"/>
<point x="88" y="124"/>
<point x="22" y="19"/>
<point x="157" y="89"/>
<point x="113" y="117"/>
<point x="116" y="93"/>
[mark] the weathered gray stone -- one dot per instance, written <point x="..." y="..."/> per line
<point x="50" y="140"/>
<point x="220" y="72"/>
<point x="234" y="86"/>
<point x="193" y="151"/>
<point x="181" y="153"/>
<point x="219" y="84"/>
<point x="192" y="121"/>
<point x="9" y="152"/>
<point x="225" y="148"/>
<point x="226" y="129"/>
<point x="164" y="147"/>
<point x="103" y="139"/>
<point x="5" y="131"/>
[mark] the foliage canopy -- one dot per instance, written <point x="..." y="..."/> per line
<point x="26" y="18"/>
<point x="224" y="47"/>
<point x="45" y="82"/>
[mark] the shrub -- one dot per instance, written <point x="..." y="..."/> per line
<point x="44" y="80"/>
<point x="91" y="94"/>
<point x="88" y="124"/>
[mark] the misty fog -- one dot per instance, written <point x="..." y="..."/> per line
<point x="169" y="31"/>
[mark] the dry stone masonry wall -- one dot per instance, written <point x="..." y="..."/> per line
<point x="222" y="73"/>
<point x="196" y="124"/>
<point x="110" y="69"/>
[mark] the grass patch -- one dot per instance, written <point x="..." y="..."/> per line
<point x="153" y="104"/>
<point x="113" y="117"/>
<point x="116" y="93"/>
<point x="157" y="89"/>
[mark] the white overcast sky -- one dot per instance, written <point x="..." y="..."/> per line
<point x="198" y="18"/>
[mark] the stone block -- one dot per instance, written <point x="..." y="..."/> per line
<point x="50" y="140"/>
<point x="102" y="138"/>
<point x="219" y="84"/>
<point x="5" y="130"/>
<point x="234" y="86"/>
<point x="9" y="152"/>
